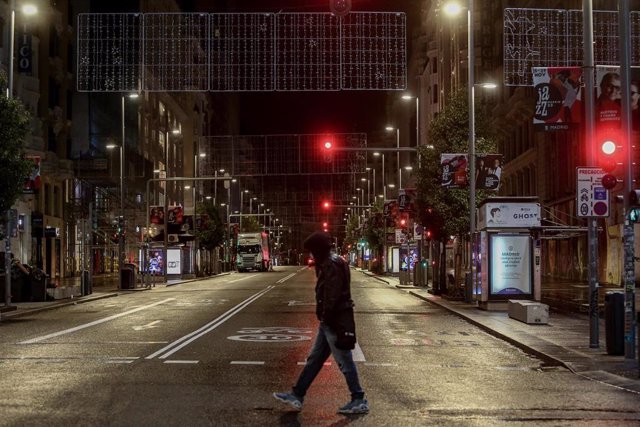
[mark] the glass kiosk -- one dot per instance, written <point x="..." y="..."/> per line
<point x="509" y="258"/>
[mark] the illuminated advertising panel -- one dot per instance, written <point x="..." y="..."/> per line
<point x="510" y="271"/>
<point x="173" y="261"/>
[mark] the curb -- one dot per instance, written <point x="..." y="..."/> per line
<point x="604" y="377"/>
<point x="547" y="358"/>
<point x="81" y="300"/>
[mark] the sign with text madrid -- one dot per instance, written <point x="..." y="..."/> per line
<point x="592" y="199"/>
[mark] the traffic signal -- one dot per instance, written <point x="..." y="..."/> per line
<point x="427" y="234"/>
<point x="611" y="156"/>
<point x="327" y="149"/>
<point x="326" y="205"/>
<point x="634" y="206"/>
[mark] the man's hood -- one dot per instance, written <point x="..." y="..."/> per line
<point x="319" y="244"/>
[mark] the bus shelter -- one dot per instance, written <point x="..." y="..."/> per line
<point x="508" y="266"/>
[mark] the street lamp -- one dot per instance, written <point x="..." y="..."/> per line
<point x="408" y="97"/>
<point x="384" y="187"/>
<point x="27" y="9"/>
<point x="121" y="222"/>
<point x="390" y="128"/>
<point x="453" y="8"/>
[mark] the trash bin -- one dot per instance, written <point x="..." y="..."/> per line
<point x="468" y="288"/>
<point x="128" y="276"/>
<point x="38" y="281"/>
<point x="614" y="322"/>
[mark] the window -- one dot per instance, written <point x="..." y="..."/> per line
<point x="434" y="94"/>
<point x="47" y="199"/>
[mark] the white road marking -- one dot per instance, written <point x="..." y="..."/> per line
<point x="286" y="278"/>
<point x="358" y="355"/>
<point x="94" y="323"/>
<point x="294" y="302"/>
<point x="192" y="336"/>
<point x="246" y="362"/>
<point x="150" y="325"/>
<point x="243" y="278"/>
<point x="324" y="364"/>
<point x="120" y="361"/>
<point x="380" y="364"/>
<point x="182" y="362"/>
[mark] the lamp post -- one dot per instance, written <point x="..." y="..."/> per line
<point x="390" y="128"/>
<point x="453" y="9"/>
<point x="121" y="222"/>
<point x="27" y="9"/>
<point x="384" y="186"/>
<point x="417" y="98"/>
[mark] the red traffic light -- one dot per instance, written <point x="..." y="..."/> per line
<point x="326" y="204"/>
<point x="328" y="145"/>
<point x="325" y="225"/>
<point x="609" y="181"/>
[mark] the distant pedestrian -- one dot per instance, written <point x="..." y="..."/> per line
<point x="336" y="333"/>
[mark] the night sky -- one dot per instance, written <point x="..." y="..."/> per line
<point x="312" y="112"/>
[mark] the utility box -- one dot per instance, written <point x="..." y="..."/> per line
<point x="530" y="312"/>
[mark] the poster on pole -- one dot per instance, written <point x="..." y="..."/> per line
<point x="32" y="183"/>
<point x="488" y="171"/>
<point x="558" y="98"/>
<point x="156" y="215"/>
<point x="608" y="103"/>
<point x="454" y="170"/>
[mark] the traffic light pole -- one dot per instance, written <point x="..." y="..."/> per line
<point x="589" y="136"/>
<point x="628" y="228"/>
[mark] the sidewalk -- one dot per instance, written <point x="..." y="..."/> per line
<point x="104" y="286"/>
<point x="564" y="341"/>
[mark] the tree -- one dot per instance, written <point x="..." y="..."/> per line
<point x="211" y="232"/>
<point x="14" y="127"/>
<point x="250" y="225"/>
<point x="445" y="212"/>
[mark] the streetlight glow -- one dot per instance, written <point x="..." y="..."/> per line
<point x="452" y="8"/>
<point x="29" y="9"/>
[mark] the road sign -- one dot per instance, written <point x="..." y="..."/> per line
<point x="592" y="199"/>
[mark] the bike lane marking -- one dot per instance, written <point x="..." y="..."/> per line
<point x="94" y="323"/>
<point x="182" y="342"/>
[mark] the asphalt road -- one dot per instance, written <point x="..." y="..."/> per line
<point x="212" y="352"/>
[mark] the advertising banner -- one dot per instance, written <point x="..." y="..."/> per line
<point x="173" y="261"/>
<point x="509" y="215"/>
<point x="454" y="170"/>
<point x="175" y="215"/>
<point x="156" y="215"/>
<point x="155" y="261"/>
<point x="558" y="98"/>
<point x="32" y="183"/>
<point x="488" y="171"/>
<point x="609" y="93"/>
<point x="510" y="264"/>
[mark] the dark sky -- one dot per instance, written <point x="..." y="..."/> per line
<point x="312" y="112"/>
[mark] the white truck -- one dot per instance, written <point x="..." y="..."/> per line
<point x="253" y="252"/>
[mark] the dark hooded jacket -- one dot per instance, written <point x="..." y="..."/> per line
<point x="333" y="292"/>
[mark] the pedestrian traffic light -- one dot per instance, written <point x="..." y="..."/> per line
<point x="634" y="206"/>
<point x="611" y="156"/>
